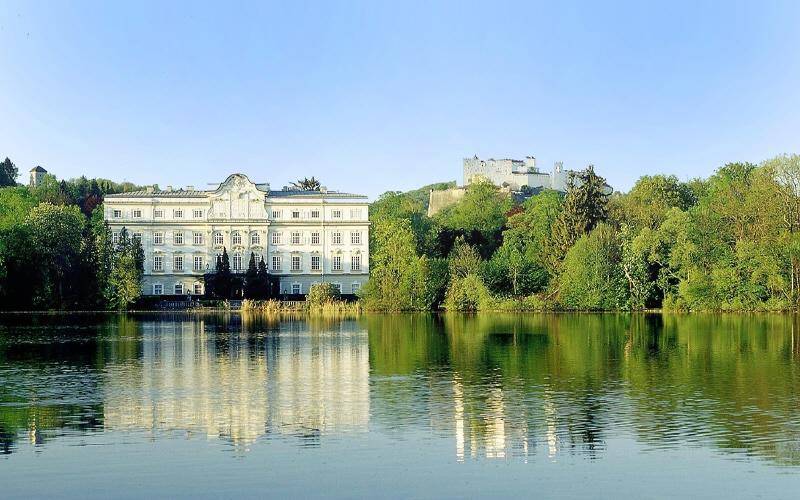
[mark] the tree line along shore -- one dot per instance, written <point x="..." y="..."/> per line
<point x="730" y="242"/>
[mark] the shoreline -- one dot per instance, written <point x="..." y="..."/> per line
<point x="386" y="313"/>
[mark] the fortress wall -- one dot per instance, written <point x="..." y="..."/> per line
<point x="438" y="200"/>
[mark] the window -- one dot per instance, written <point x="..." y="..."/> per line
<point x="137" y="214"/>
<point x="178" y="237"/>
<point x="117" y="214"/>
<point x="276" y="238"/>
<point x="198" y="238"/>
<point x="178" y="288"/>
<point x="296" y="288"/>
<point x="158" y="289"/>
<point x="255" y="239"/>
<point x="295" y="237"/>
<point x="158" y="238"/>
<point x="137" y="236"/>
<point x="276" y="214"/>
<point x="295" y="262"/>
<point x="177" y="263"/>
<point x="158" y="263"/>
<point x="336" y="214"/>
<point x="336" y="238"/>
<point x="355" y="263"/>
<point x="295" y="214"/>
<point x="157" y="214"/>
<point x="237" y="262"/>
<point x="355" y="238"/>
<point x="178" y="214"/>
<point x="276" y="262"/>
<point x="315" y="214"/>
<point x="337" y="262"/>
<point x="315" y="238"/>
<point x="355" y="288"/>
<point x="355" y="213"/>
<point x="198" y="289"/>
<point x="197" y="214"/>
<point x="115" y="238"/>
<point x="236" y="239"/>
<point x="315" y="263"/>
<point x="198" y="263"/>
<point x="218" y="239"/>
<point x="338" y="287"/>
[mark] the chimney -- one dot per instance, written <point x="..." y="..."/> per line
<point x="169" y="188"/>
<point x="190" y="188"/>
<point x="149" y="189"/>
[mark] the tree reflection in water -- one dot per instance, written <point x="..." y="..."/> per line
<point x="494" y="386"/>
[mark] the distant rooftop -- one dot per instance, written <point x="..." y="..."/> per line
<point x="299" y="193"/>
<point x="196" y="193"/>
<point x="37" y="168"/>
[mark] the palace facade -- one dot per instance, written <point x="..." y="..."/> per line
<point x="304" y="237"/>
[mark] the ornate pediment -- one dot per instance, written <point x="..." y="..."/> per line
<point x="237" y="198"/>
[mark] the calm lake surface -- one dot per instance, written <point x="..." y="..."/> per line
<point x="574" y="405"/>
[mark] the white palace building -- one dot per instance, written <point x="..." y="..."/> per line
<point x="304" y="236"/>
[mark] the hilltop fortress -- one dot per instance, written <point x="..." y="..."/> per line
<point x="515" y="174"/>
<point x="520" y="177"/>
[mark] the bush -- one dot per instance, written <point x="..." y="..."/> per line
<point x="322" y="293"/>
<point x="467" y="294"/>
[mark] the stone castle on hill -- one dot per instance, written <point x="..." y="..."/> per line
<point x="516" y="177"/>
<point x="515" y="174"/>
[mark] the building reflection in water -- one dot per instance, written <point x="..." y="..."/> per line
<point x="240" y="381"/>
<point x="484" y="386"/>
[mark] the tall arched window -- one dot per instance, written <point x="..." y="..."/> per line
<point x="236" y="239"/>
<point x="218" y="240"/>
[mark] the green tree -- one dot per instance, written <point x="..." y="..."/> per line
<point x="531" y="230"/>
<point x="466" y="294"/>
<point x="263" y="279"/>
<point x="647" y="204"/>
<point x="56" y="234"/>
<point x="15" y="204"/>
<point x="463" y="260"/>
<point x="585" y="206"/>
<point x="435" y="274"/>
<point x="785" y="170"/>
<point x="306" y="184"/>
<point x="394" y="205"/>
<point x="395" y="283"/>
<point x="222" y="280"/>
<point x="127" y="269"/>
<point x="252" y="286"/>
<point x="593" y="278"/>
<point x="479" y="217"/>
<point x="8" y="173"/>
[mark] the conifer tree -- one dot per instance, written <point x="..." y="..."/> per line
<point x="251" y="288"/>
<point x="8" y="173"/>
<point x="585" y="206"/>
<point x="263" y="279"/>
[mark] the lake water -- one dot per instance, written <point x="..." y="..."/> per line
<point x="223" y="405"/>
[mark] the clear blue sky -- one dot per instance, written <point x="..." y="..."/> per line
<point x="376" y="96"/>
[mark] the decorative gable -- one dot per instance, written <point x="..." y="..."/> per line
<point x="237" y="198"/>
